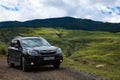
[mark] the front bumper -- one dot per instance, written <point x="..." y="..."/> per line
<point x="39" y="60"/>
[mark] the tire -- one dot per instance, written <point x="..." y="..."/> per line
<point x="9" y="63"/>
<point x="24" y="66"/>
<point x="56" y="66"/>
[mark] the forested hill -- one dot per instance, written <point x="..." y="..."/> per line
<point x="66" y="23"/>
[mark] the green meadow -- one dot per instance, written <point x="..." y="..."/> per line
<point x="82" y="50"/>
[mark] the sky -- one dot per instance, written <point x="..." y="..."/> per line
<point x="23" y="10"/>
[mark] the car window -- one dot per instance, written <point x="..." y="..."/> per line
<point x="34" y="42"/>
<point x="15" y="42"/>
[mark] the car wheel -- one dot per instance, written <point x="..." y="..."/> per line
<point x="24" y="66"/>
<point x="9" y="63"/>
<point x="56" y="66"/>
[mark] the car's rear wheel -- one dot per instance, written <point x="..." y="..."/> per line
<point x="9" y="63"/>
<point x="24" y="65"/>
<point x="56" y="66"/>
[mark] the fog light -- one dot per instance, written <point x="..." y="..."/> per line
<point x="61" y="60"/>
<point x="32" y="63"/>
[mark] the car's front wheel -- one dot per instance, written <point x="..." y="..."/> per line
<point x="24" y="65"/>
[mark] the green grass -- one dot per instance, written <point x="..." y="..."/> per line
<point x="106" y="53"/>
<point x="78" y="46"/>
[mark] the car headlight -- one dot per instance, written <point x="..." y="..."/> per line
<point x="59" y="51"/>
<point x="32" y="53"/>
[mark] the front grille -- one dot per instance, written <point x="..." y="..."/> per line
<point x="48" y="53"/>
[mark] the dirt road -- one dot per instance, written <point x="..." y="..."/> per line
<point x="43" y="73"/>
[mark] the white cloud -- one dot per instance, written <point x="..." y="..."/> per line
<point x="23" y="10"/>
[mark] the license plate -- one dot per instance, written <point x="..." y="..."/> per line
<point x="49" y="58"/>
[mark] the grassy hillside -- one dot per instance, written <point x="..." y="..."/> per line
<point x="66" y="23"/>
<point x="82" y="50"/>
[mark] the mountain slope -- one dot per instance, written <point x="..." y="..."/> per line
<point x="66" y="23"/>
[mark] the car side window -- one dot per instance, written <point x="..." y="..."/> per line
<point x="12" y="44"/>
<point x="15" y="43"/>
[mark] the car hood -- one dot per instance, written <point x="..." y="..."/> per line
<point x="44" y="48"/>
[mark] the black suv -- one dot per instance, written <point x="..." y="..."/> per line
<point x="33" y="51"/>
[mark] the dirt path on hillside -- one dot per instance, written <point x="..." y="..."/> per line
<point x="43" y="73"/>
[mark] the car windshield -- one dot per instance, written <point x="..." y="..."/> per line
<point x="34" y="42"/>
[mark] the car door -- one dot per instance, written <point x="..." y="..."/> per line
<point x="11" y="52"/>
<point x="17" y="51"/>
